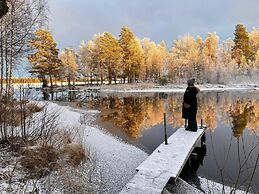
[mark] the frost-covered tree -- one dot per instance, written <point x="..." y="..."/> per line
<point x="199" y="67"/>
<point x="84" y="54"/>
<point x="210" y="56"/>
<point x="17" y="27"/>
<point x="88" y="55"/>
<point x="44" y="61"/>
<point x="210" y="48"/>
<point x="133" y="55"/>
<point x="205" y="60"/>
<point x="254" y="39"/>
<point x="110" y="52"/>
<point x="70" y="66"/>
<point x="184" y="58"/>
<point x="242" y="46"/>
<point x="150" y="61"/>
<point x="226" y="65"/>
<point x="162" y="59"/>
<point x="155" y="58"/>
<point x="257" y="59"/>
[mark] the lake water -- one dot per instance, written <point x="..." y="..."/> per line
<point x="232" y="135"/>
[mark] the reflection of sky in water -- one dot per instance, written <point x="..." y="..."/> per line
<point x="232" y="119"/>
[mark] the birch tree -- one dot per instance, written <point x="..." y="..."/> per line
<point x="184" y="57"/>
<point x="254" y="39"/>
<point x="88" y="55"/>
<point x="155" y="59"/>
<point x="16" y="29"/>
<point x="69" y="60"/>
<point x="210" y="56"/>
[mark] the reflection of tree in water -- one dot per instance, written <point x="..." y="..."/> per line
<point x="174" y="110"/>
<point x="240" y="155"/>
<point x="134" y="114"/>
<point x="241" y="113"/>
<point x="128" y="113"/>
<point x="154" y="108"/>
<point x="253" y="124"/>
<point x="207" y="112"/>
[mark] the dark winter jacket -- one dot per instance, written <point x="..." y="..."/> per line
<point x="3" y="8"/>
<point x="189" y="110"/>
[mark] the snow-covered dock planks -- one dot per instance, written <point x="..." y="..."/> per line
<point x="165" y="162"/>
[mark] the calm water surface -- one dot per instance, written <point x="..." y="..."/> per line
<point x="232" y="135"/>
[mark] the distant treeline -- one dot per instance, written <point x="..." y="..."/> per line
<point x="25" y="80"/>
<point x="36" y="80"/>
<point x="129" y="59"/>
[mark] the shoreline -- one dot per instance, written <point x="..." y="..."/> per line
<point x="145" y="87"/>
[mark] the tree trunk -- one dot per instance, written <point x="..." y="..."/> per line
<point x="109" y="75"/>
<point x="69" y="81"/>
<point x="51" y="82"/>
<point x="11" y="54"/>
<point x="44" y="82"/>
<point x="2" y="61"/>
<point x="110" y="78"/>
<point x="218" y="76"/>
<point x="6" y="66"/>
<point x="101" y="80"/>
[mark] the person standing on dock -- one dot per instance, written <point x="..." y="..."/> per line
<point x="189" y="110"/>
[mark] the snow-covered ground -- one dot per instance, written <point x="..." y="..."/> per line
<point x="116" y="159"/>
<point x="206" y="186"/>
<point x="152" y="87"/>
<point x="131" y="88"/>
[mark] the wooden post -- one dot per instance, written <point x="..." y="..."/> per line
<point x="201" y="123"/>
<point x="165" y="129"/>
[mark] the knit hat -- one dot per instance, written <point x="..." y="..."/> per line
<point x="191" y="81"/>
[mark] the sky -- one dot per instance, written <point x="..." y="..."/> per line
<point x="72" y="21"/>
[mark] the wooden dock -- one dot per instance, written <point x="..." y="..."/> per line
<point x="165" y="162"/>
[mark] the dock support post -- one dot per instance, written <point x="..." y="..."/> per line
<point x="165" y="129"/>
<point x="201" y="123"/>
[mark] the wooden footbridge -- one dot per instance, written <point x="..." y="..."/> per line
<point x="166" y="162"/>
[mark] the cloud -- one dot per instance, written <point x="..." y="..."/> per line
<point x="76" y="20"/>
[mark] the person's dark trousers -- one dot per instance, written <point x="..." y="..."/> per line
<point x="192" y="125"/>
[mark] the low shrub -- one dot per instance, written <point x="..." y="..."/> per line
<point x="33" y="108"/>
<point x="73" y="154"/>
<point x="163" y="81"/>
<point x="39" y="161"/>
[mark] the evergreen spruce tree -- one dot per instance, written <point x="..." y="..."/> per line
<point x="45" y="62"/>
<point x="242" y="46"/>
